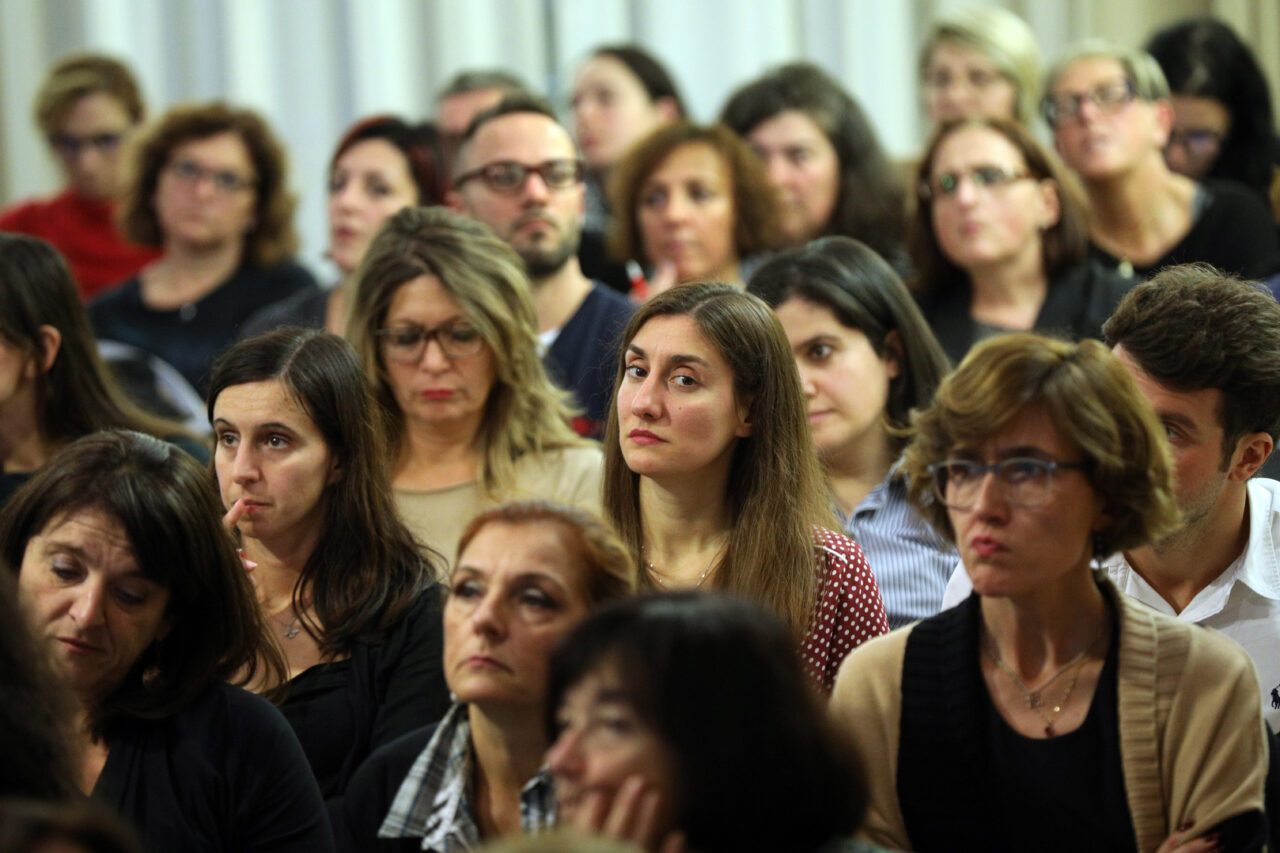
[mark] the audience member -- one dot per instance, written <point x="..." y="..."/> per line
<point x="304" y="475"/>
<point x="578" y="320"/>
<point x="526" y="574"/>
<point x="1111" y="118"/>
<point x="86" y="108"/>
<point x="381" y="165"/>
<point x="692" y="203"/>
<point x="1223" y="123"/>
<point x="1049" y="705"/>
<point x="866" y="359"/>
<point x="53" y="387"/>
<point x="999" y="240"/>
<point x="823" y="159"/>
<point x="445" y="326"/>
<point x="711" y="478"/>
<point x="654" y="705"/>
<point x="980" y="62"/>
<point x="136" y="592"/>
<point x="208" y="187"/>
<point x="467" y="93"/>
<point x="39" y="826"/>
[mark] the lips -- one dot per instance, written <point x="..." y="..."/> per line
<point x="485" y="662"/>
<point x="77" y="646"/>
<point x="437" y="393"/>
<point x="643" y="436"/>
<point x="985" y="546"/>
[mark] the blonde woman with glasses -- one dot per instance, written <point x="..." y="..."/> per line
<point x="445" y="326"/>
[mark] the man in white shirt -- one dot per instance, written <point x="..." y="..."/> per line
<point x="1204" y="349"/>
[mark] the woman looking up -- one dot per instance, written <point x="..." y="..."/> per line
<point x="711" y="478"/>
<point x="866" y="359"/>
<point x="305" y="480"/>
<point x="208" y="187"/>
<point x="445" y="327"/>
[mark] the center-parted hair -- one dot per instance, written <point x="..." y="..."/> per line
<point x="172" y="516"/>
<point x="864" y="293"/>
<point x="870" y="200"/>
<point x="525" y="412"/>
<point x="776" y="492"/>
<point x="1193" y="327"/>
<point x="758" y="765"/>
<point x="1089" y="397"/>
<point x="366" y="568"/>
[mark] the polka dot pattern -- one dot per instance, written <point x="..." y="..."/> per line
<point x="850" y="609"/>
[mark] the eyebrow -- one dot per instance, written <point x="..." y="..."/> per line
<point x="55" y="546"/>
<point x="1178" y="419"/>
<point x="675" y="358"/>
<point x="821" y="337"/>
<point x="258" y="427"/>
<point x="521" y="577"/>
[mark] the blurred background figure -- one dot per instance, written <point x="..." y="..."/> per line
<point x="692" y="203"/>
<point x="34" y="826"/>
<point x="823" y="158"/>
<point x="381" y="164"/>
<point x="1223" y="122"/>
<point x="446" y="330"/>
<point x="980" y="62"/>
<point x="999" y="240"/>
<point x="53" y="386"/>
<point x="209" y="187"/>
<point x="526" y="574"/>
<point x="87" y="108"/>
<point x="467" y="93"/>
<point x="650" y="703"/>
<point x="866" y="359"/>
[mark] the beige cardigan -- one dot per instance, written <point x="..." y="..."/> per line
<point x="1192" y="740"/>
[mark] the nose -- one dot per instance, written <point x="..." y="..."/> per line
<point x="806" y="381"/>
<point x="646" y="401"/>
<point x="535" y="189"/>
<point x="434" y="359"/>
<point x="488" y="618"/>
<point x="87" y="610"/>
<point x="563" y="757"/>
<point x="677" y="208"/>
<point x="244" y="467"/>
<point x="990" y="503"/>
<point x="966" y="190"/>
<point x="776" y="170"/>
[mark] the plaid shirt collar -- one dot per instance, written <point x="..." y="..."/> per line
<point x="434" y="801"/>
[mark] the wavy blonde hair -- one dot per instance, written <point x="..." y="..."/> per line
<point x="525" y="412"/>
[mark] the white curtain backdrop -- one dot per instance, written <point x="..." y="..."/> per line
<point x="314" y="66"/>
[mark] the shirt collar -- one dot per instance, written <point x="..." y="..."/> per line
<point x="1261" y="568"/>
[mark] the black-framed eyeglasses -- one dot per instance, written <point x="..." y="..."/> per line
<point x="508" y="176"/>
<point x="1023" y="480"/>
<point x="948" y="183"/>
<point x="1108" y="98"/>
<point x="224" y="181"/>
<point x="406" y="344"/>
<point x="1199" y="143"/>
<point x="69" y="146"/>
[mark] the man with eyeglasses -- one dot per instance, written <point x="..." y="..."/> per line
<point x="1204" y="349"/>
<point x="86" y="107"/>
<point x="519" y="172"/>
<point x="1111" y="117"/>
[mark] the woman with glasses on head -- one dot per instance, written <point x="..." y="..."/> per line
<point x="208" y="188"/>
<point x="866" y="359"/>
<point x="87" y="107"/>
<point x="444" y="324"/>
<point x="1111" y="117"/>
<point x="1049" y="710"/>
<point x="999" y="240"/>
<point x="1223" y="122"/>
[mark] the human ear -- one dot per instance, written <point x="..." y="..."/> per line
<point x="667" y="108"/>
<point x="893" y="354"/>
<point x="1251" y="451"/>
<point x="1051" y="204"/>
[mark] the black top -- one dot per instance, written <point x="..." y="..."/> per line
<point x="344" y="710"/>
<point x="584" y="356"/>
<point x="1079" y="772"/>
<point x="1079" y="300"/>
<point x="1232" y="228"/>
<point x="371" y="792"/>
<point x="593" y="257"/>
<point x="191" y="337"/>
<point x="305" y="309"/>
<point x="225" y="774"/>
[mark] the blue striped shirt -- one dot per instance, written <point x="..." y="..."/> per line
<point x="910" y="561"/>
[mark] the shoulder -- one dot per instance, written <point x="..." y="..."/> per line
<point x="287" y="276"/>
<point x="876" y="660"/>
<point x="126" y="294"/>
<point x="573" y="460"/>
<point x="304" y="308"/>
<point x="839" y="553"/>
<point x="1230" y="197"/>
<point x="609" y="301"/>
<point x="24" y="214"/>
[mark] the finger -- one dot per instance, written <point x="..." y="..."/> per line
<point x="644" y="830"/>
<point x="664" y="278"/>
<point x="233" y="516"/>
<point x="589" y="818"/>
<point x="623" y="814"/>
<point x="674" y="843"/>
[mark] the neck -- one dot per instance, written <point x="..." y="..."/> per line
<point x="557" y="296"/>
<point x="280" y="564"/>
<point x="509" y="745"/>
<point x="1145" y="207"/>
<point x="730" y="273"/>
<point x="1048" y="628"/>
<point x="185" y="273"/>
<point x="855" y="470"/>
<point x="1182" y="565"/>
<point x="22" y="447"/>
<point x="1012" y="291"/>
<point x="434" y="455"/>
<point x="337" y="308"/>
<point x="684" y="532"/>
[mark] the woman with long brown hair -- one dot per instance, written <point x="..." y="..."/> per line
<point x="711" y="478"/>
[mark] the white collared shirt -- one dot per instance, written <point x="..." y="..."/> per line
<point x="1242" y="603"/>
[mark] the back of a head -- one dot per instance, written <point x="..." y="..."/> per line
<point x="1193" y="327"/>
<point x="720" y="682"/>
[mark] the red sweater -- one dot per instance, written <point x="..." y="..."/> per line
<point x="84" y="231"/>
